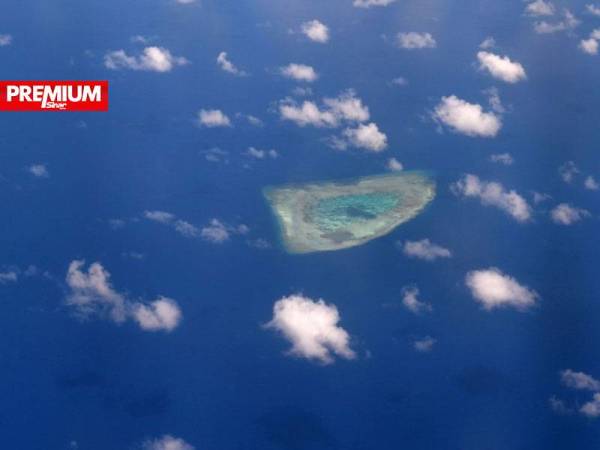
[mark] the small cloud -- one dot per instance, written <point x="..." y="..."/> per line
<point x="260" y="243"/>
<point x="347" y="107"/>
<point x="9" y="277"/>
<point x="493" y="289"/>
<point x="466" y="118"/>
<point x="185" y="2"/>
<point x="565" y="214"/>
<point x="394" y="165"/>
<point x="255" y="121"/>
<point x="400" y="81"/>
<point x="216" y="155"/>
<point x="316" y="31"/>
<point x="91" y="293"/>
<point x="589" y="46"/>
<point x="227" y="66"/>
<point x="39" y="170"/>
<point x="212" y="118"/>
<point x="540" y="8"/>
<point x="168" y="442"/>
<point x="424" y="345"/>
<point x="593" y="9"/>
<point x="312" y="328"/>
<point x="5" y="40"/>
<point x="370" y="3"/>
<point x="410" y="300"/>
<point x="591" y="184"/>
<point x="502" y="158"/>
<point x="299" y="72"/>
<point x="215" y="232"/>
<point x="569" y="22"/>
<point x="366" y="136"/>
<point x="153" y="59"/>
<point x="425" y="250"/>
<point x="261" y="154"/>
<point x="413" y="40"/>
<point x="493" y="194"/>
<point x="186" y="229"/>
<point x="161" y="314"/>
<point x="539" y="197"/>
<point x="568" y="171"/>
<point x="559" y="406"/>
<point x="159" y="216"/>
<point x="591" y="409"/>
<point x="501" y="67"/>
<point x="488" y="43"/>
<point x="579" y="380"/>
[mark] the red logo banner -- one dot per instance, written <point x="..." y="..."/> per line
<point x="53" y="95"/>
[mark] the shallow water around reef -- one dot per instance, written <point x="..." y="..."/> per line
<point x="330" y="215"/>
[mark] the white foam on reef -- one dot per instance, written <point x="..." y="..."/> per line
<point x="332" y="215"/>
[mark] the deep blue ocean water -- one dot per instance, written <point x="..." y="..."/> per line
<point x="220" y="380"/>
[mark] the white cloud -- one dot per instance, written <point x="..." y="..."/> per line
<point x="493" y="289"/>
<point x="559" y="406"/>
<point x="493" y="194"/>
<point x="306" y="114"/>
<point x="253" y="120"/>
<point x="312" y="328"/>
<point x="488" y="43"/>
<point x="501" y="67"/>
<point x="394" y="165"/>
<point x="569" y="22"/>
<point x="425" y="344"/>
<point x="185" y="2"/>
<point x="215" y="232"/>
<point x="592" y="408"/>
<point x="591" y="184"/>
<point x="540" y="8"/>
<point x="568" y="171"/>
<point x="8" y="277"/>
<point x="426" y="250"/>
<point x="91" y="293"/>
<point x="213" y="118"/>
<point x="466" y="118"/>
<point x="159" y="216"/>
<point x="589" y="46"/>
<point x="539" y="197"/>
<point x="413" y="40"/>
<point x="316" y="31"/>
<point x="39" y="170"/>
<point x="579" y="380"/>
<point x="400" y="81"/>
<point x="346" y="107"/>
<point x="299" y="72"/>
<point x="155" y="59"/>
<point x="161" y="314"/>
<point x="502" y="158"/>
<point x="226" y="65"/>
<point x="370" y="3"/>
<point x="261" y="154"/>
<point x="186" y="229"/>
<point x="410" y="300"/>
<point x="565" y="214"/>
<point x="366" y="136"/>
<point x="593" y="9"/>
<point x="168" y="442"/>
<point x="5" y="39"/>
